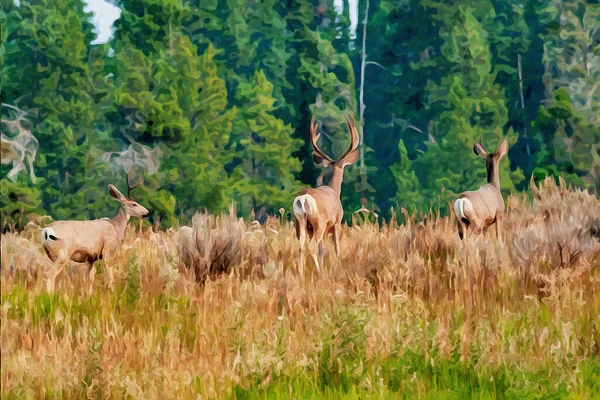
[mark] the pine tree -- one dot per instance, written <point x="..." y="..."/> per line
<point x="517" y="60"/>
<point x="569" y="121"/>
<point x="200" y="161"/>
<point x="174" y="99"/>
<point x="264" y="169"/>
<point x="408" y="190"/>
<point x="46" y="72"/>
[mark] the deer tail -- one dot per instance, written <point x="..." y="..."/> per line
<point x="304" y="206"/>
<point x="463" y="208"/>
<point x="48" y="235"/>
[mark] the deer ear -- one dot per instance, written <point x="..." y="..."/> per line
<point x="350" y="158"/>
<point x="479" y="150"/>
<point x="502" y="148"/>
<point x="115" y="194"/>
<point x="320" y="160"/>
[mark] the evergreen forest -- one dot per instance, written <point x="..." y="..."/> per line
<point x="209" y="101"/>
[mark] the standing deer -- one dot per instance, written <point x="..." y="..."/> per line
<point x="319" y="210"/>
<point x="479" y="209"/>
<point x="91" y="240"/>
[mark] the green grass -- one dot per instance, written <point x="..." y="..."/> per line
<point x="411" y="376"/>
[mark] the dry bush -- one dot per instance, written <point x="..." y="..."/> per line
<point x="211" y="246"/>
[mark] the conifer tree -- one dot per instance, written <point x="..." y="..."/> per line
<point x="408" y="190"/>
<point x="174" y="98"/>
<point x="45" y="51"/>
<point x="264" y="164"/>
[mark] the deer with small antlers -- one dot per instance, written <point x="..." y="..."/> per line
<point x="91" y="240"/>
<point x="318" y="211"/>
<point x="478" y="210"/>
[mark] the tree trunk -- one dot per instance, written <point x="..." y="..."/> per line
<point x="361" y="110"/>
<point x="520" y="69"/>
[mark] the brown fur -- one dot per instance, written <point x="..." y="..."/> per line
<point x="487" y="202"/>
<point x="88" y="241"/>
<point x="328" y="216"/>
<point x="85" y="240"/>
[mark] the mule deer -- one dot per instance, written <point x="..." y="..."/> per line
<point x="478" y="210"/>
<point x="91" y="240"/>
<point x="319" y="210"/>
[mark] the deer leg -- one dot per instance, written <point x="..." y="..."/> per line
<point x="461" y="233"/>
<point x="109" y="273"/>
<point x="499" y="227"/>
<point x="472" y="231"/>
<point x="336" y="238"/>
<point x="313" y="253"/>
<point x="317" y="243"/>
<point x="52" y="274"/>
<point x="312" y="248"/>
<point x="321" y="249"/>
<point x="91" y="277"/>
<point x="108" y="253"/>
<point x="301" y="235"/>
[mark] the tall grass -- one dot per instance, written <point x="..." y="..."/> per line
<point x="219" y="310"/>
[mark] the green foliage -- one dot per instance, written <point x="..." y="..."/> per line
<point x="408" y="190"/>
<point x="575" y="141"/>
<point x="263" y="175"/>
<point x="412" y="375"/>
<point x="211" y="100"/>
<point x="17" y="201"/>
<point x="45" y="72"/>
<point x="471" y="107"/>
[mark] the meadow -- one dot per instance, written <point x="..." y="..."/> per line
<point x="407" y="311"/>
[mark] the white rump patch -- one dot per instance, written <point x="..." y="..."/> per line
<point x="48" y="235"/>
<point x="463" y="208"/>
<point x="305" y="205"/>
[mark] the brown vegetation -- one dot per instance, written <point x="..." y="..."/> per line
<point x="530" y="305"/>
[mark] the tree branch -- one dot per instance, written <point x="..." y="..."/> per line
<point x="376" y="63"/>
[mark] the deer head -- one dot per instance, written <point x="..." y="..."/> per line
<point x="492" y="159"/>
<point x="348" y="157"/>
<point x="131" y="207"/>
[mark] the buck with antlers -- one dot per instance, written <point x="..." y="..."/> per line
<point x="91" y="240"/>
<point x="318" y="211"/>
<point x="478" y="210"/>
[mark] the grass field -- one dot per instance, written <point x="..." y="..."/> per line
<point x="407" y="311"/>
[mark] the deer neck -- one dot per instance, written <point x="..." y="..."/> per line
<point x="336" y="179"/>
<point x="492" y="173"/>
<point x="119" y="221"/>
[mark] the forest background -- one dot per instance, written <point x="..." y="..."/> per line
<point x="210" y="101"/>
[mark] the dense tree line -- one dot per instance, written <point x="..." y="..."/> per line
<point x="210" y="101"/>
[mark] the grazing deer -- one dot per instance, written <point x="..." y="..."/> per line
<point x="477" y="210"/>
<point x="319" y="210"/>
<point x="91" y="240"/>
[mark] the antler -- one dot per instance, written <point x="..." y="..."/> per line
<point x="314" y="138"/>
<point x="354" y="140"/>
<point x="129" y="187"/>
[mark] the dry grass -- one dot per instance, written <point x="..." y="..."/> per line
<point x="406" y="311"/>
